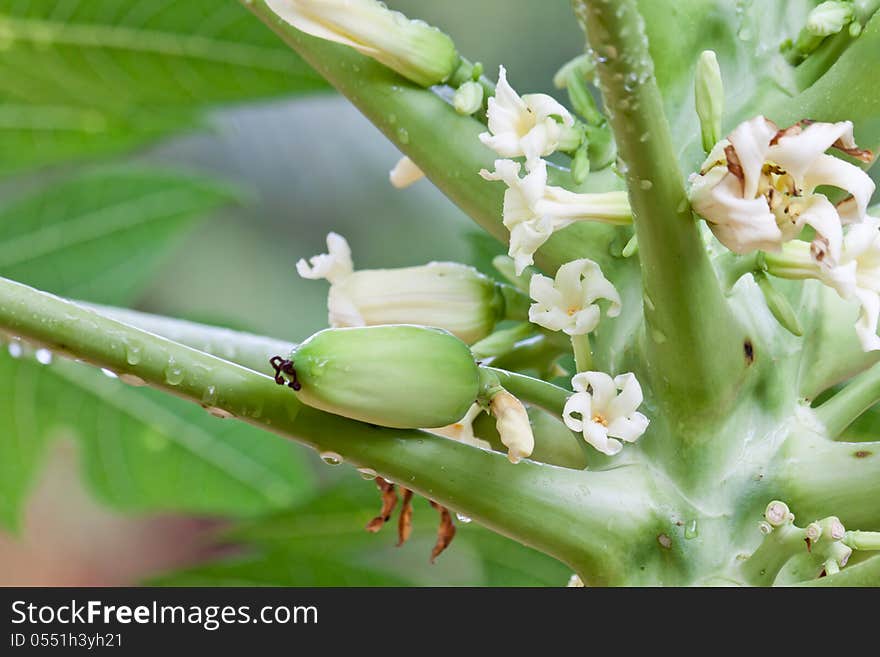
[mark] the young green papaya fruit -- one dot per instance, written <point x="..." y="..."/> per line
<point x="398" y="376"/>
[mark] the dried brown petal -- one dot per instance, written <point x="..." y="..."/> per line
<point x="389" y="501"/>
<point x="861" y="154"/>
<point x="404" y="522"/>
<point x="733" y="164"/>
<point x="445" y="531"/>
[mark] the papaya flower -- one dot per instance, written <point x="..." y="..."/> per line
<point x="532" y="125"/>
<point x="534" y="210"/>
<point x="569" y="303"/>
<point x="757" y="188"/>
<point x="604" y="411"/>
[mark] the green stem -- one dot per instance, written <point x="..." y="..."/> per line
<point x="442" y="143"/>
<point x="588" y="520"/>
<point x="859" y="540"/>
<point x="535" y="392"/>
<point x="866" y="573"/>
<point x="246" y="349"/>
<point x="777" y="548"/>
<point x="583" y="353"/>
<point x="695" y="345"/>
<point x="820" y="478"/>
<point x="846" y="406"/>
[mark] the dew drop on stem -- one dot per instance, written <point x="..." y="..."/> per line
<point x="331" y="458"/>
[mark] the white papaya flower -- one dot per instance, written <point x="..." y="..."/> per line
<point x="445" y="295"/>
<point x="605" y="415"/>
<point x="529" y="125"/>
<point x="405" y="173"/>
<point x="568" y="303"/>
<point x="534" y="210"/>
<point x="412" y="48"/>
<point x="757" y="188"/>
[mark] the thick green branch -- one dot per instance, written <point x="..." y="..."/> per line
<point x="695" y="344"/>
<point x="866" y="573"/>
<point x="846" y="406"/>
<point x="592" y="521"/>
<point x="820" y="478"/>
<point x="441" y="142"/>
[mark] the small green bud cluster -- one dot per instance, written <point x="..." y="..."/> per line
<point x="825" y="20"/>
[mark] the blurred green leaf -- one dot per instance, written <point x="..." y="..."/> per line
<point x="91" y="77"/>
<point x="141" y="449"/>
<point x="99" y="236"/>
<point x="322" y="542"/>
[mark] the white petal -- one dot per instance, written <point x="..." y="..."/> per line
<point x="629" y="428"/>
<point x="342" y="310"/>
<point x="580" y="403"/>
<point x="751" y="140"/>
<point x="552" y="318"/>
<point x="830" y="170"/>
<point x="506" y="144"/>
<point x="796" y="153"/>
<point x="334" y="265"/>
<point x="540" y="140"/>
<point x="583" y="321"/>
<point x="629" y="399"/>
<point x="822" y="216"/>
<point x="543" y="290"/>
<point x="603" y="389"/>
<point x="597" y="435"/>
<point x="545" y="106"/>
<point x="866" y="324"/>
<point x="525" y="239"/>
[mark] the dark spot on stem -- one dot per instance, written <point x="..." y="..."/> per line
<point x="862" y="453"/>
<point x="749" y="351"/>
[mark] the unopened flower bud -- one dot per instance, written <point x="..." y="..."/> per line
<point x="468" y="98"/>
<point x="405" y="173"/>
<point x="709" y="98"/>
<point x="392" y="376"/>
<point x="412" y="48"/>
<point x="829" y="18"/>
<point x="446" y="295"/>
<point x="513" y="425"/>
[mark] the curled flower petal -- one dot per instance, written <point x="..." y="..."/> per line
<point x="334" y="265"/>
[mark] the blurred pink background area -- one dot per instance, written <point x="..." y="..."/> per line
<point x="66" y="538"/>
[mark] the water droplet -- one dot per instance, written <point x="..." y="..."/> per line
<point x="331" y="458"/>
<point x="15" y="349"/>
<point x="367" y="473"/>
<point x="132" y="380"/>
<point x="173" y="373"/>
<point x="221" y="413"/>
<point x="462" y="518"/>
<point x="646" y="184"/>
<point x="43" y="356"/>
<point x="691" y="530"/>
<point x="403" y="135"/>
<point x="209" y="398"/>
<point x="133" y="354"/>
<point x="109" y="373"/>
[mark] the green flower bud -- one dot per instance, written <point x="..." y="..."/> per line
<point x="580" y="165"/>
<point x="392" y="376"/>
<point x="445" y="295"/>
<point x="829" y="18"/>
<point x="412" y="48"/>
<point x="778" y="305"/>
<point x="709" y="98"/>
<point x="468" y="98"/>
